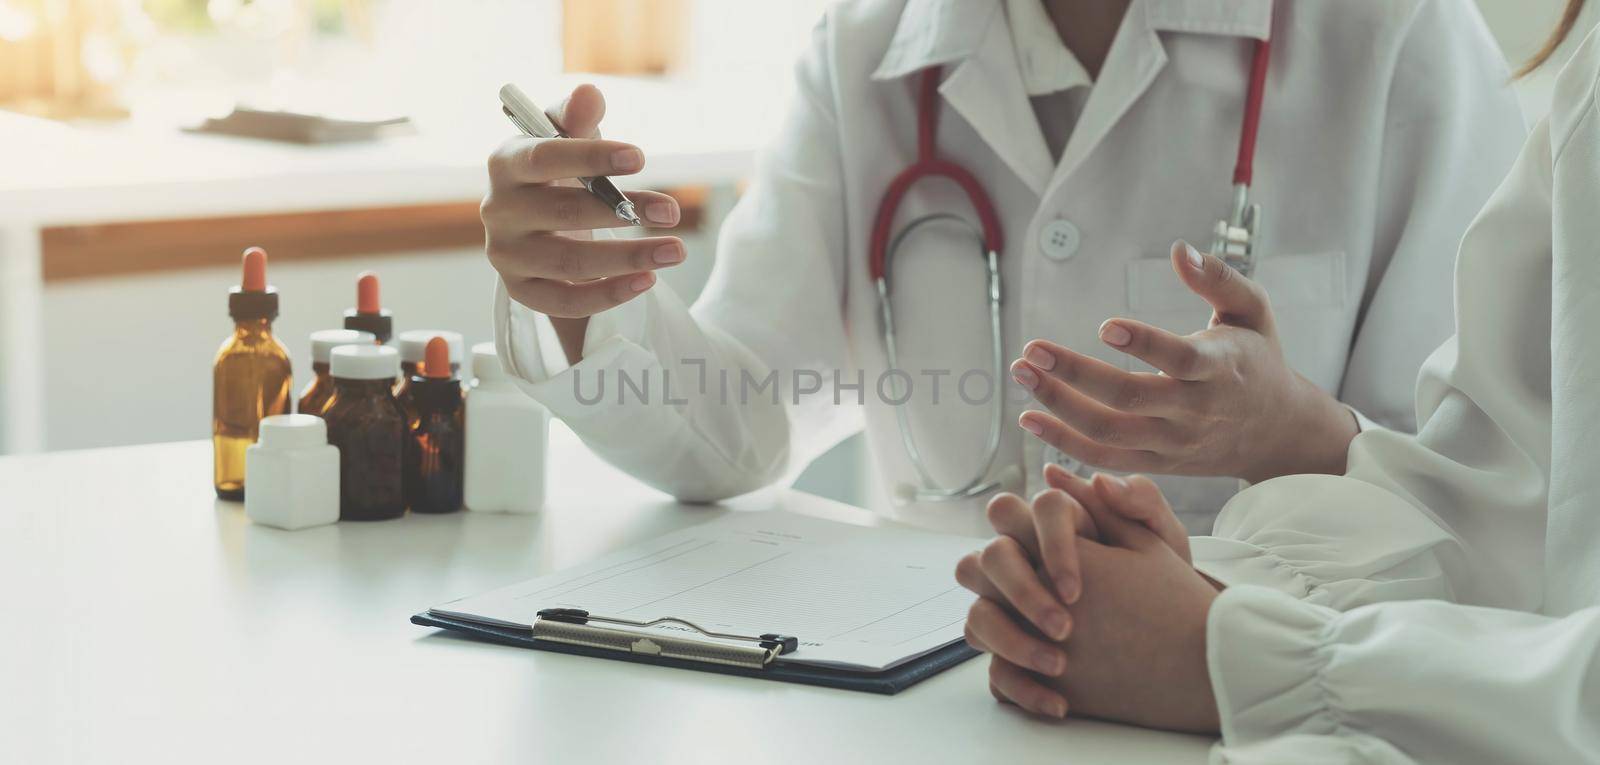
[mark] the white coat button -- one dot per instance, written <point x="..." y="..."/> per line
<point x="1059" y="239"/>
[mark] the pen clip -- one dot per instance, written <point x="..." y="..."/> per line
<point x="527" y="115"/>
<point x="771" y="641"/>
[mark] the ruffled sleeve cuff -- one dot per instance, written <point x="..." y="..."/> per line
<point x="1329" y="540"/>
<point x="1265" y="653"/>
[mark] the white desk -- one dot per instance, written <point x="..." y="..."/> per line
<point x="148" y="622"/>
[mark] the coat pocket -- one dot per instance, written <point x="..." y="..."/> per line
<point x="1309" y="298"/>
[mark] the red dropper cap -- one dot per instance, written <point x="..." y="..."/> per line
<point x="253" y="300"/>
<point x="367" y="297"/>
<point x="255" y="271"/>
<point x="368" y="315"/>
<point x="436" y="360"/>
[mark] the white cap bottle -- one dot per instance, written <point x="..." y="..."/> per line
<point x="507" y="438"/>
<point x="293" y="473"/>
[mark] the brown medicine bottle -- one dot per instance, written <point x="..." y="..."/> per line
<point x="317" y="392"/>
<point x="369" y="427"/>
<point x="250" y="377"/>
<point x="436" y="447"/>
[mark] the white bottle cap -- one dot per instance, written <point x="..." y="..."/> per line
<point x="323" y="341"/>
<point x="414" y="344"/>
<point x="293" y="431"/>
<point x="486" y="363"/>
<point x="366" y="362"/>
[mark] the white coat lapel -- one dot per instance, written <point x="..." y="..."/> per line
<point x="1137" y="56"/>
<point x="986" y="90"/>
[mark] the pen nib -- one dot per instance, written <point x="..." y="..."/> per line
<point x="625" y="211"/>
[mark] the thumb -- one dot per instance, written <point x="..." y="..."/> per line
<point x="1237" y="300"/>
<point x="580" y="114"/>
<point x="1138" y="498"/>
<point x="1115" y="527"/>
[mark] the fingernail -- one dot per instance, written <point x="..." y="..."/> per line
<point x="1058" y="625"/>
<point x="661" y="212"/>
<point x="1115" y="334"/>
<point x="667" y="254"/>
<point x="1049" y="662"/>
<point x="1032" y="426"/>
<point x="1068" y="587"/>
<point x="1195" y="261"/>
<point x="1040" y="358"/>
<point x="641" y="282"/>
<point x="1058" y="710"/>
<point x="1024" y="376"/>
<point x="627" y="160"/>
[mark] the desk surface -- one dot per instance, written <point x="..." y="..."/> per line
<point x="162" y="625"/>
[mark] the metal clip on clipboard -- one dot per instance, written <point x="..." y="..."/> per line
<point x="574" y="627"/>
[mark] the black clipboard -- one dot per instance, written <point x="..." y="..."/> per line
<point x="887" y="682"/>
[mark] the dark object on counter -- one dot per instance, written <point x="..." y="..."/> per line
<point x="295" y="127"/>
<point x="369" y="427"/>
<point x="436" y="438"/>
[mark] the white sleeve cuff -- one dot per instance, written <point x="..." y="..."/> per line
<point x="1330" y="540"/>
<point x="1264" y="650"/>
<point x="531" y="352"/>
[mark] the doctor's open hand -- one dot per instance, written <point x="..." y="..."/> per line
<point x="538" y="218"/>
<point x="1225" y="403"/>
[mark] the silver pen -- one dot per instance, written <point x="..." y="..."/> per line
<point x="531" y="120"/>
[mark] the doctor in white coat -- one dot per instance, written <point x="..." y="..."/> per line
<point x="1487" y="522"/>
<point x="1100" y="137"/>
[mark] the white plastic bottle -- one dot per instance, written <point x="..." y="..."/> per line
<point x="293" y="474"/>
<point x="507" y="436"/>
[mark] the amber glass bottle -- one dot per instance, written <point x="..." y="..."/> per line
<point x="436" y="446"/>
<point x="317" y="392"/>
<point x="250" y="377"/>
<point x="369" y="427"/>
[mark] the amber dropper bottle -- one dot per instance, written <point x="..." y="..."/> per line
<point x="250" y="377"/>
<point x="369" y="315"/>
<point x="436" y="438"/>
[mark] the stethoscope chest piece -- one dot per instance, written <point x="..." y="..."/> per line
<point x="1234" y="238"/>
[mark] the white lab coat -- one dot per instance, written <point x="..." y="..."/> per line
<point x="1386" y="124"/>
<point x="1494" y="505"/>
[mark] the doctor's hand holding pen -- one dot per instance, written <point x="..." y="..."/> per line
<point x="1225" y="403"/>
<point x="1131" y="647"/>
<point x="538" y="220"/>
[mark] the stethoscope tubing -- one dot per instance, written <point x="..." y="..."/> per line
<point x="991" y="243"/>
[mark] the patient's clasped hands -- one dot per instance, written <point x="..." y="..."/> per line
<point x="1088" y="603"/>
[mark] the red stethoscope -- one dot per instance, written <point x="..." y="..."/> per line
<point x="1233" y="240"/>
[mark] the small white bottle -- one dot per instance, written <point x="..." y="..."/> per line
<point x="507" y="433"/>
<point x="293" y="473"/>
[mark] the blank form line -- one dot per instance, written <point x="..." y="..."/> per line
<point x="935" y="629"/>
<point x="891" y="616"/>
<point x="712" y="581"/>
<point x="559" y="585"/>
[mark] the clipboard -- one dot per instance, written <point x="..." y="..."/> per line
<point x="887" y="682"/>
<point x="782" y="597"/>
